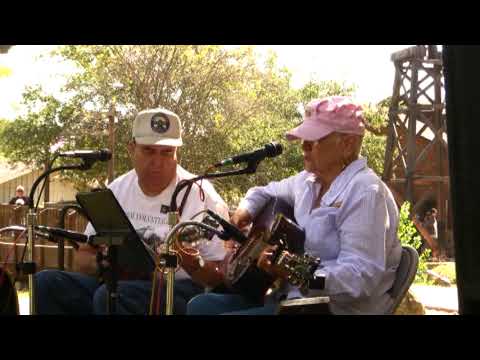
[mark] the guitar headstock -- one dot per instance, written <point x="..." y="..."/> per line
<point x="300" y="268"/>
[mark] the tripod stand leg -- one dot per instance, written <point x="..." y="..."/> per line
<point x="112" y="281"/>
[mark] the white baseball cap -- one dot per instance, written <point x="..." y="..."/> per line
<point x="157" y="127"/>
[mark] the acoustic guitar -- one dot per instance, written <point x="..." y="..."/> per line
<point x="273" y="226"/>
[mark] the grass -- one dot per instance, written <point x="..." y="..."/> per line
<point x="447" y="270"/>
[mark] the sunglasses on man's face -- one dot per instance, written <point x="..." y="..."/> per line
<point x="310" y="143"/>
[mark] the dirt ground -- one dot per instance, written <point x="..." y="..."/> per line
<point x="437" y="300"/>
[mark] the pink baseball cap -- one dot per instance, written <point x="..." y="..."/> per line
<point x="324" y="116"/>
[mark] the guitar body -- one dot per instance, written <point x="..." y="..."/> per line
<point x="270" y="227"/>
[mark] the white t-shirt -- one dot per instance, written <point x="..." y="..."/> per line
<point x="148" y="214"/>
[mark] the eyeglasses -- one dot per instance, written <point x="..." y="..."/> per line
<point x="308" y="145"/>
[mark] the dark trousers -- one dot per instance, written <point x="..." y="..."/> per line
<point x="61" y="292"/>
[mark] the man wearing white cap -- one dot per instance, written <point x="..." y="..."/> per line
<point x="144" y="193"/>
<point x="348" y="214"/>
<point x="20" y="198"/>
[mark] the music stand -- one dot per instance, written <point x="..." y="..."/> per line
<point x="114" y="229"/>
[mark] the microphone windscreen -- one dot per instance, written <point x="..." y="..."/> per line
<point x="273" y="149"/>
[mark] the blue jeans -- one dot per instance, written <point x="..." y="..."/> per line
<point x="61" y="292"/>
<point x="227" y="304"/>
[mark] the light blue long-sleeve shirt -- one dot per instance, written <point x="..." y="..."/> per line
<point x="353" y="232"/>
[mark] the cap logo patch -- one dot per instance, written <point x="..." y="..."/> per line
<point x="160" y="123"/>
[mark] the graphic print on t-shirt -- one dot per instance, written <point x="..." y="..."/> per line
<point x="153" y="237"/>
<point x="152" y="229"/>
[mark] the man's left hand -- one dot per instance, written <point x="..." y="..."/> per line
<point x="265" y="263"/>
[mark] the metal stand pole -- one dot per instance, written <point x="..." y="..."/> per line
<point x="29" y="267"/>
<point x="31" y="221"/>
<point x="173" y="219"/>
<point x="112" y="283"/>
<point x="169" y="259"/>
<point x="109" y="272"/>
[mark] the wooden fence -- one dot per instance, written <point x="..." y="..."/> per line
<point x="47" y="255"/>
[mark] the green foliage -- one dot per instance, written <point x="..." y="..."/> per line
<point x="318" y="89"/>
<point x="374" y="142"/>
<point x="408" y="235"/>
<point x="373" y="149"/>
<point x="28" y="138"/>
<point x="3" y="123"/>
<point x="5" y="71"/>
<point x="228" y="103"/>
<point x="376" y="116"/>
<point x="447" y="270"/>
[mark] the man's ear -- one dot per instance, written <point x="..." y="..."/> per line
<point x="179" y="154"/>
<point x="354" y="141"/>
<point x="131" y="148"/>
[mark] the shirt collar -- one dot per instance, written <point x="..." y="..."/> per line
<point x="342" y="180"/>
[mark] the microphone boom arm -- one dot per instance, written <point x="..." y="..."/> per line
<point x="249" y="169"/>
<point x="31" y="222"/>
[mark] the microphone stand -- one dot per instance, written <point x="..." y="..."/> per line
<point x="29" y="267"/>
<point x="168" y="259"/>
<point x="113" y="240"/>
<point x="61" y="225"/>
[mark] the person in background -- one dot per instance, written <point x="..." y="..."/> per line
<point x="20" y="198"/>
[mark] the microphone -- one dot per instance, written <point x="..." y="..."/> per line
<point x="95" y="155"/>
<point x="191" y="233"/>
<point x="269" y="150"/>
<point x="230" y="230"/>
<point x="71" y="235"/>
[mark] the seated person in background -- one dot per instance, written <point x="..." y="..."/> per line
<point x="430" y="223"/>
<point x="20" y="198"/>
<point x="348" y="214"/>
<point x="145" y="194"/>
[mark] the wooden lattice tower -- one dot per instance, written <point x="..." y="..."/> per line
<point x="416" y="158"/>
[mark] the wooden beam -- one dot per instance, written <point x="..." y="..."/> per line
<point x="411" y="134"/>
<point x="4" y="48"/>
<point x="417" y="51"/>
<point x="399" y="147"/>
<point x="423" y="180"/>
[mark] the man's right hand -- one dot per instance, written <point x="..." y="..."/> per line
<point x="241" y="218"/>
<point x="85" y="260"/>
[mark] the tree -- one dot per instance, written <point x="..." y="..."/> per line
<point x="29" y="138"/>
<point x="374" y="142"/>
<point x="227" y="102"/>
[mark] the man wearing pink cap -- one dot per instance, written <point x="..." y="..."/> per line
<point x="348" y="214"/>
